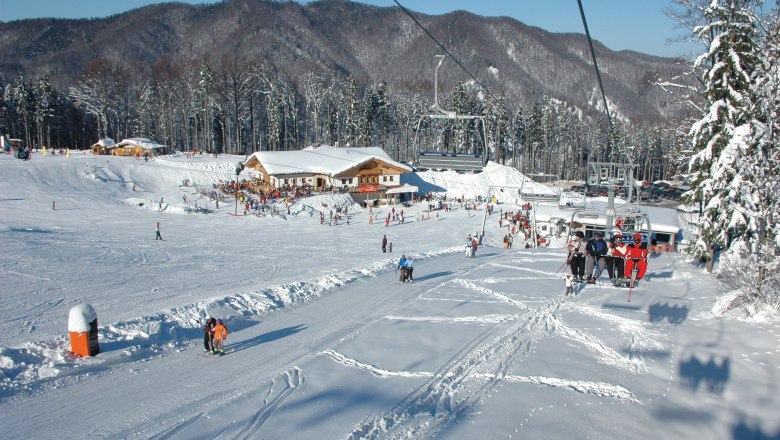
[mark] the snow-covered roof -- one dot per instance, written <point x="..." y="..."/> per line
<point x="322" y="159"/>
<point x="405" y="188"/>
<point x="107" y="142"/>
<point x="144" y="143"/>
<point x="663" y="220"/>
<point x="506" y="183"/>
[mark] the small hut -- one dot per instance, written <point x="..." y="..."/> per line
<point x="103" y="146"/>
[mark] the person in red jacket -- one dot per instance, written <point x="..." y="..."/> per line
<point x="617" y="260"/>
<point x="636" y="256"/>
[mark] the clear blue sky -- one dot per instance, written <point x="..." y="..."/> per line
<point x="620" y="24"/>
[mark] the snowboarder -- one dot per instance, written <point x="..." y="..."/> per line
<point x="208" y="334"/>
<point x="157" y="231"/>
<point x="220" y="336"/>
<point x="402" y="268"/>
<point x="636" y="257"/>
<point x="595" y="250"/>
<point x="384" y="244"/>
<point x="577" y="256"/>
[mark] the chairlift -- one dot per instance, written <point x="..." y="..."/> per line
<point x="448" y="118"/>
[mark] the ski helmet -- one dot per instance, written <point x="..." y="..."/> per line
<point x="637" y="236"/>
<point x="219" y="321"/>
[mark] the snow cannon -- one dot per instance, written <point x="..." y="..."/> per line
<point x="82" y="328"/>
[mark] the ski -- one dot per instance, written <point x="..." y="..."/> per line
<point x="632" y="282"/>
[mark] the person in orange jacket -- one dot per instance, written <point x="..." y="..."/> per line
<point x="636" y="256"/>
<point x="220" y="335"/>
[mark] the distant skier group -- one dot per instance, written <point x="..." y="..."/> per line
<point x="588" y="259"/>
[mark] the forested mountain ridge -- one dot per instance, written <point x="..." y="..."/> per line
<point x="340" y="37"/>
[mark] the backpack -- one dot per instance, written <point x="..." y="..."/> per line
<point x="601" y="247"/>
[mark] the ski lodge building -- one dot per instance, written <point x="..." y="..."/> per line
<point x="103" y="146"/>
<point x="139" y="146"/>
<point x="369" y="170"/>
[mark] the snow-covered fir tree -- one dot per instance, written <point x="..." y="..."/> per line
<point x="723" y="135"/>
<point x="733" y="143"/>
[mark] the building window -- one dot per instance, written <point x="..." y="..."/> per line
<point x="344" y="181"/>
<point x="350" y="181"/>
<point x="391" y="178"/>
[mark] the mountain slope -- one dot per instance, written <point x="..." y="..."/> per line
<point x="373" y="43"/>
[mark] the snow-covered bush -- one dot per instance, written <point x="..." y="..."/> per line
<point x="754" y="278"/>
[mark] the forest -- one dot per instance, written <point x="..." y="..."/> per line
<point x="238" y="107"/>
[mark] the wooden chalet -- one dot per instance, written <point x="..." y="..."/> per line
<point x="139" y="146"/>
<point x="103" y="146"/>
<point x="368" y="170"/>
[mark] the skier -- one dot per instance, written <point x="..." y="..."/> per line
<point x="208" y="334"/>
<point x="384" y="244"/>
<point x="468" y="247"/>
<point x="569" y="280"/>
<point x="220" y="335"/>
<point x="595" y="250"/>
<point x="157" y="231"/>
<point x="410" y="270"/>
<point x="402" y="268"/>
<point x="474" y="245"/>
<point x="636" y="257"/>
<point x="577" y="256"/>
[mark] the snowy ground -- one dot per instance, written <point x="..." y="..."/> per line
<point x="324" y="343"/>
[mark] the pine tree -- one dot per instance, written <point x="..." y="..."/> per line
<point x="518" y="137"/>
<point x="725" y="135"/>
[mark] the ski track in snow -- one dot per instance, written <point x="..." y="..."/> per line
<point x="600" y="389"/>
<point x="487" y="319"/>
<point x="459" y="385"/>
<point x="273" y="401"/>
<point x="153" y="335"/>
<point x="473" y="285"/>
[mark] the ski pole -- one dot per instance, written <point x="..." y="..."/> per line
<point x="568" y="260"/>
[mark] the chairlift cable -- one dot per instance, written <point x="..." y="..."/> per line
<point x="487" y="90"/>
<point x="595" y="65"/>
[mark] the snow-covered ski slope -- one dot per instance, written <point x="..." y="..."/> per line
<point x="324" y="343"/>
